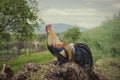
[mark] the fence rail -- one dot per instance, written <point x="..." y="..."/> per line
<point x="14" y="49"/>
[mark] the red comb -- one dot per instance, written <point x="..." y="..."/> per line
<point x="48" y="26"/>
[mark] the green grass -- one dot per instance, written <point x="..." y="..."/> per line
<point x="17" y="64"/>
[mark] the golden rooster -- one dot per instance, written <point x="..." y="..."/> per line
<point x="78" y="53"/>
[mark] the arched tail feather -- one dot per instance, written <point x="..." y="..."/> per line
<point x="83" y="55"/>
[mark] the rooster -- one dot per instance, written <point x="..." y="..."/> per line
<point x="78" y="53"/>
<point x="7" y="72"/>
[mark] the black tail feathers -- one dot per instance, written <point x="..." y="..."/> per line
<point x="83" y="56"/>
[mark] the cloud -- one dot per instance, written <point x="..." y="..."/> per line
<point x="84" y="17"/>
<point x="84" y="13"/>
<point x="116" y="5"/>
<point x="72" y="12"/>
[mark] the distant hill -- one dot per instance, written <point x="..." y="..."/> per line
<point x="58" y="28"/>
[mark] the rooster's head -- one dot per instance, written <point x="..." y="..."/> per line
<point x="48" y="28"/>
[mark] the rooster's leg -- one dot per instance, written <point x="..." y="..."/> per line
<point x="59" y="62"/>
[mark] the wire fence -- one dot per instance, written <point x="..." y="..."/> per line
<point x="12" y="50"/>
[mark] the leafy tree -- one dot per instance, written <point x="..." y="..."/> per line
<point x="41" y="37"/>
<point x="17" y="17"/>
<point x="72" y="35"/>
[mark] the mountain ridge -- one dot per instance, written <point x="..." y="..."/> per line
<point x="58" y="28"/>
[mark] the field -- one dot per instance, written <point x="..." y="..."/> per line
<point x="17" y="64"/>
<point x="105" y="66"/>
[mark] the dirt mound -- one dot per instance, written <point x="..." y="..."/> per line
<point x="107" y="69"/>
<point x="32" y="71"/>
<point x="50" y="71"/>
<point x="68" y="71"/>
<point x="104" y="69"/>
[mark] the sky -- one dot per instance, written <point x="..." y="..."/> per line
<point x="83" y="13"/>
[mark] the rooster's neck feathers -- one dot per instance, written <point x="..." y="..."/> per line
<point x="52" y="38"/>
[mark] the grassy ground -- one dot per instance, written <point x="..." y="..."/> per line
<point x="17" y="64"/>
